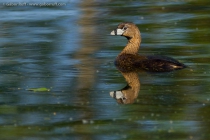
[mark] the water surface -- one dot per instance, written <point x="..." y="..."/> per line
<point x="66" y="48"/>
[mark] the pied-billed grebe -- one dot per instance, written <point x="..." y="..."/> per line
<point x="128" y="59"/>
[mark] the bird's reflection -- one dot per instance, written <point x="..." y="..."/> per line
<point x="129" y="93"/>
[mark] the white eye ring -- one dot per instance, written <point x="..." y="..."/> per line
<point x="124" y="28"/>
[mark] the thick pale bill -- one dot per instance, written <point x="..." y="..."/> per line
<point x="117" y="32"/>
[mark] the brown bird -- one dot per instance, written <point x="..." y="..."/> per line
<point x="129" y="59"/>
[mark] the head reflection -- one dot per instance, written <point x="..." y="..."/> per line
<point x="129" y="93"/>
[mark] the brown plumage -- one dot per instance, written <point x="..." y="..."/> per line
<point x="129" y="60"/>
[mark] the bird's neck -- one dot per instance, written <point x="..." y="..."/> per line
<point x="132" y="46"/>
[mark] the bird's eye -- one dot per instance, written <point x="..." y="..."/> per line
<point x="124" y="28"/>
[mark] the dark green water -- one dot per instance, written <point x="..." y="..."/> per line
<point x="67" y="48"/>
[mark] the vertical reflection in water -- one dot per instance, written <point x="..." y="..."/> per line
<point x="88" y="40"/>
<point x="86" y="67"/>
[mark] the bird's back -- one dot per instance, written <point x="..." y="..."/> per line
<point x="155" y="63"/>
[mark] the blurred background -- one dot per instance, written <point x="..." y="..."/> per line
<point x="65" y="46"/>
